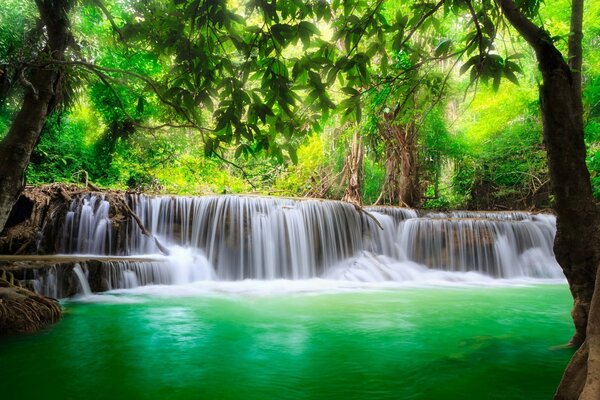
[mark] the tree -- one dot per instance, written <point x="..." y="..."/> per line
<point x="353" y="169"/>
<point x="576" y="244"/>
<point x="401" y="186"/>
<point x="43" y="87"/>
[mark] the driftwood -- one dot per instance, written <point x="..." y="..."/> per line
<point x="140" y="224"/>
<point x="361" y="210"/>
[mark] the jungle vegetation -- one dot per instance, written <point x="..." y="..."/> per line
<point x="478" y="144"/>
<point x="481" y="104"/>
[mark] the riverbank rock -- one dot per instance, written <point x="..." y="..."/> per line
<point x="23" y="311"/>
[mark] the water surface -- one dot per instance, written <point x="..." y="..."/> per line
<point x="400" y="343"/>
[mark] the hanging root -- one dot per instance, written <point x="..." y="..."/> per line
<point x="8" y="279"/>
<point x="22" y="311"/>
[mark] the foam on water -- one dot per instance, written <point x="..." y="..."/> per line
<point x="365" y="273"/>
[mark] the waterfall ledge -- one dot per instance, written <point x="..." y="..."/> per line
<point x="106" y="238"/>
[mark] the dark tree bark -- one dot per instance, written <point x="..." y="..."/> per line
<point x="353" y="170"/>
<point x="42" y="93"/>
<point x="577" y="237"/>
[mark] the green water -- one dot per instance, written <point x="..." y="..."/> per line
<point x="477" y="343"/>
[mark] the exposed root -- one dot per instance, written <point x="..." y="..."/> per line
<point x="23" y="247"/>
<point x="22" y="311"/>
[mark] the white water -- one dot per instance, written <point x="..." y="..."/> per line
<point x="316" y="286"/>
<point x="230" y="238"/>
<point x="82" y="279"/>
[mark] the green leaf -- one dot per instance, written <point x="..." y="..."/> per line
<point x="140" y="106"/>
<point x="293" y="155"/>
<point x="208" y="147"/>
<point x="443" y="47"/>
<point x="309" y="27"/>
<point x="496" y="83"/>
<point x="351" y="91"/>
<point x="470" y="62"/>
<point x="511" y="76"/>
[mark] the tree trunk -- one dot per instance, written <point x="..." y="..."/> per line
<point x="409" y="191"/>
<point x="389" y="190"/>
<point x="577" y="237"/>
<point x="42" y="92"/>
<point x="353" y="170"/>
<point x="401" y="186"/>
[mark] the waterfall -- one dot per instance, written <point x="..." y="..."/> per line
<point x="245" y="237"/>
<point x="87" y="227"/>
<point x="66" y="278"/>
<point x="83" y="280"/>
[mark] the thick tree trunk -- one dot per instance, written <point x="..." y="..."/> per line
<point x="410" y="195"/>
<point x="401" y="186"/>
<point x="353" y="170"/>
<point x="577" y="241"/>
<point x="393" y="171"/>
<point x="42" y="94"/>
<point x="576" y="245"/>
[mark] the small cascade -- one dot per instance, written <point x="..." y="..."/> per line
<point x="87" y="227"/>
<point x="48" y="283"/>
<point x="242" y="237"/>
<point x="83" y="280"/>
<point x="67" y="279"/>
<point x="509" y="248"/>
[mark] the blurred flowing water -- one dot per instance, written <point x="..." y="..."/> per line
<point x="229" y="238"/>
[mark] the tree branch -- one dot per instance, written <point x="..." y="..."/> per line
<point x="109" y="17"/>
<point x="533" y="34"/>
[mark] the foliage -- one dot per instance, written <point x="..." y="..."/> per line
<point x="64" y="151"/>
<point x="299" y="178"/>
<point x="194" y="97"/>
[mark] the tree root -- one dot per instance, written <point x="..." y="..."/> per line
<point x="22" y="311"/>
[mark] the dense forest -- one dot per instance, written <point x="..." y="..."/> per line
<point x="274" y="99"/>
<point x="450" y="104"/>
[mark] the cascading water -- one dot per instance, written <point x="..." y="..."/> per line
<point x="82" y="279"/>
<point x="87" y="227"/>
<point x="234" y="238"/>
